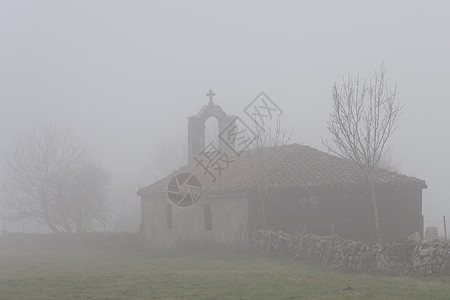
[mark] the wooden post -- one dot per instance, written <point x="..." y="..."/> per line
<point x="300" y="245"/>
<point x="268" y="243"/>
<point x="330" y="245"/>
<point x="445" y="229"/>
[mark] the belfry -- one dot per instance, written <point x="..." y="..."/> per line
<point x="196" y="126"/>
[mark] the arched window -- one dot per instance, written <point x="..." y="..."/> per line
<point x="212" y="131"/>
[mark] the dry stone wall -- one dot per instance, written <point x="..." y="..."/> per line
<point x="410" y="256"/>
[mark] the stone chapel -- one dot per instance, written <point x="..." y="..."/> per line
<point x="306" y="189"/>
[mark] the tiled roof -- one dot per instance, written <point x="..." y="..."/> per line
<point x="291" y="166"/>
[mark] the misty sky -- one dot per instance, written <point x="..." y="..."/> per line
<point x="125" y="75"/>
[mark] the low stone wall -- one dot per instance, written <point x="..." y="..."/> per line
<point x="412" y="256"/>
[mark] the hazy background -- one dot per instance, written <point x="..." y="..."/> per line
<point x="125" y="75"/>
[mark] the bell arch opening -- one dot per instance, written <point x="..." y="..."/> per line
<point x="212" y="131"/>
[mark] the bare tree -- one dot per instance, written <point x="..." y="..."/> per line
<point x="261" y="156"/>
<point x="78" y="197"/>
<point x="387" y="162"/>
<point x="363" y="119"/>
<point x="167" y="157"/>
<point x="29" y="171"/>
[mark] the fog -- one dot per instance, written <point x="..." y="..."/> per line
<point x="125" y="75"/>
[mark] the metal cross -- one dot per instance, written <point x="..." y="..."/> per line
<point x="211" y="95"/>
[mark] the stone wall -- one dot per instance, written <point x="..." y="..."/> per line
<point x="409" y="256"/>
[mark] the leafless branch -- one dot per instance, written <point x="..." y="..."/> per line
<point x="364" y="117"/>
<point x="268" y="143"/>
<point x="29" y="170"/>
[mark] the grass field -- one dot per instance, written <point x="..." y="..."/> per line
<point x="140" y="275"/>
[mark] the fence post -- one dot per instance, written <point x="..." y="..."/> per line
<point x="445" y="229"/>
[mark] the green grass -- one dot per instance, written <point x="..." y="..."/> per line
<point x="142" y="275"/>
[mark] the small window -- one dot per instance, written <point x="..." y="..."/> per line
<point x="169" y="216"/>
<point x="208" y="218"/>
